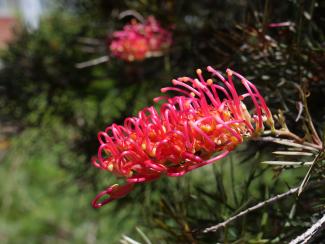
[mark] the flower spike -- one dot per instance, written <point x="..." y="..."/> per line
<point x="201" y="125"/>
<point x="138" y="41"/>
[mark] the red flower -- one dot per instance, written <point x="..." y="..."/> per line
<point x="138" y="41"/>
<point x="200" y="126"/>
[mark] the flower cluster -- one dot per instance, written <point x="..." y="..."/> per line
<point x="138" y="41"/>
<point x="201" y="125"/>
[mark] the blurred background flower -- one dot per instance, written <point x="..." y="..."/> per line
<point x="140" y="40"/>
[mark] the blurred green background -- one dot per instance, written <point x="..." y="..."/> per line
<point x="51" y="113"/>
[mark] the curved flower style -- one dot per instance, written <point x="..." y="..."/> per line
<point x="198" y="127"/>
<point x="138" y="41"/>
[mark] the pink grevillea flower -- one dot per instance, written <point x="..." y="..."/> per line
<point x="138" y="41"/>
<point x="201" y="125"/>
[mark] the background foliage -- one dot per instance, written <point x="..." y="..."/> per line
<point x="51" y="112"/>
